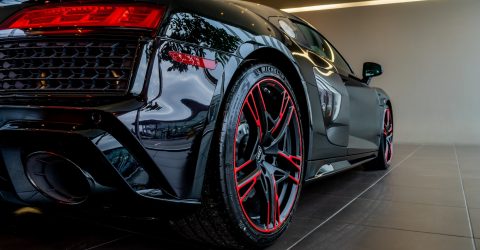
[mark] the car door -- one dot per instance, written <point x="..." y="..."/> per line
<point x="364" y="116"/>
<point x="334" y="96"/>
<point x="364" y="108"/>
<point x="356" y="125"/>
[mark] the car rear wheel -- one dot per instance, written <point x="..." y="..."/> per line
<point x="250" y="197"/>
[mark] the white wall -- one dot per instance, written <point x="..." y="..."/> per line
<point x="431" y="57"/>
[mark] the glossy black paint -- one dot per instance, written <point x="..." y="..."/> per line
<point x="168" y="120"/>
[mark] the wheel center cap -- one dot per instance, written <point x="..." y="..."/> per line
<point x="260" y="154"/>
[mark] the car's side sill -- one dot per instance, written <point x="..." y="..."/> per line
<point x="323" y="168"/>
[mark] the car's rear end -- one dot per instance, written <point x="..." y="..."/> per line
<point x="72" y="79"/>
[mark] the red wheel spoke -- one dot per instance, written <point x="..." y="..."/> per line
<point x="251" y="181"/>
<point x="273" y="201"/>
<point x="252" y="107"/>
<point x="295" y="161"/>
<point x="260" y="95"/>
<point x="277" y="204"/>
<point x="258" y="109"/>
<point x="243" y="165"/>
<point x="268" y="214"/>
<point x="283" y="111"/>
<point x="294" y="179"/>
<point x="287" y="118"/>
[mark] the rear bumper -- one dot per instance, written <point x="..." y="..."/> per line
<point x="94" y="140"/>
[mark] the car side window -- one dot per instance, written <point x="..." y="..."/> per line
<point x="312" y="40"/>
<point x="340" y="63"/>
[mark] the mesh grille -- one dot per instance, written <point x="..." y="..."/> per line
<point x="66" y="66"/>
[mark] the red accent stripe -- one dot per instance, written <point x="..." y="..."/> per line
<point x="193" y="60"/>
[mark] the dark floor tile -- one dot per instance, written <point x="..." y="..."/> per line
<point x="423" y="181"/>
<point x="340" y="188"/>
<point x="471" y="183"/>
<point x="430" y="162"/>
<point x="337" y="236"/>
<point x="427" y="196"/>
<point x="428" y="170"/>
<point x="435" y="151"/>
<point x="295" y="232"/>
<point x="405" y="149"/>
<point x="475" y="217"/>
<point x="470" y="167"/>
<point x="138" y="242"/>
<point x="468" y="151"/>
<point x="320" y="206"/>
<point x="159" y="239"/>
<point x="127" y="224"/>
<point x="52" y="232"/>
<point x="471" y="173"/>
<point x="469" y="162"/>
<point x="407" y="216"/>
<point x="473" y="198"/>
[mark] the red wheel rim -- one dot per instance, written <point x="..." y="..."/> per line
<point x="388" y="134"/>
<point x="268" y="155"/>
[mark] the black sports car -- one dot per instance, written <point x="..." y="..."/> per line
<point x="213" y="112"/>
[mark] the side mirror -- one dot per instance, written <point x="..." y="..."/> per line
<point x="371" y="70"/>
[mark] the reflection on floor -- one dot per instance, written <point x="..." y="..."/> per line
<point x="430" y="199"/>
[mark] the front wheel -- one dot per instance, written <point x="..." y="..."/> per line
<point x="385" y="151"/>
<point x="250" y="197"/>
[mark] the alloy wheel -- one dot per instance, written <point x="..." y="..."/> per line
<point x="268" y="155"/>
<point x="388" y="135"/>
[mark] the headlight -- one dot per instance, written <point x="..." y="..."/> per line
<point x="330" y="98"/>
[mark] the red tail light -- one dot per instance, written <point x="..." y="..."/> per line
<point x="93" y="15"/>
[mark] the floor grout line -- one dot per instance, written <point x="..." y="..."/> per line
<point x="469" y="218"/>
<point x="354" y="199"/>
<point x="108" y="242"/>
<point x="412" y="202"/>
<point x="406" y="230"/>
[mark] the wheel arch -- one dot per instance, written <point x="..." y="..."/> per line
<point x="291" y="72"/>
<point x="261" y="49"/>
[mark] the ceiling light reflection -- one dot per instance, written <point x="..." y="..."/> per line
<point x="347" y="5"/>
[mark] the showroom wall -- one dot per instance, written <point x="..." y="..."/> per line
<point x="431" y="56"/>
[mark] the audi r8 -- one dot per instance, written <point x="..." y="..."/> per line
<point x="211" y="113"/>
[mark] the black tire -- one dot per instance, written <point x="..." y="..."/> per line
<point x="222" y="220"/>
<point x="385" y="151"/>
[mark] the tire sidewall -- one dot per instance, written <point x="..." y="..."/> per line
<point x="238" y="93"/>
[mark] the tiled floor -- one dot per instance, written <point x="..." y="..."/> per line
<point x="429" y="199"/>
